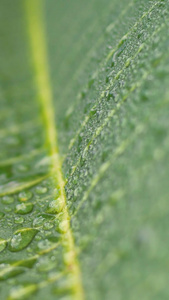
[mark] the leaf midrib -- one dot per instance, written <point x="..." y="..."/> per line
<point x="36" y="33"/>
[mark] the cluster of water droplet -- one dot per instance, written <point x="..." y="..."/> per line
<point x="32" y="219"/>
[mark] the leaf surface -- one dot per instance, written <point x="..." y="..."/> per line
<point x="84" y="149"/>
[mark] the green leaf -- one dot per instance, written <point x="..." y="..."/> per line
<point x="84" y="149"/>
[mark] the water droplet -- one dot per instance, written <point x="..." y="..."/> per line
<point x="48" y="225"/>
<point x="68" y="257"/>
<point x="7" y="208"/>
<point x="38" y="238"/>
<point x="38" y="221"/>
<point x="45" y="265"/>
<point x="3" y="244"/>
<point x="41" y="190"/>
<point x="29" y="249"/>
<point x="54" y="239"/>
<point x="41" y="218"/>
<point x="45" y="244"/>
<point x="24" y="196"/>
<point x="24" y="208"/>
<point x="21" y="239"/>
<point x="19" y="220"/>
<point x="7" y="200"/>
<point x="55" y="206"/>
<point x="63" y="226"/>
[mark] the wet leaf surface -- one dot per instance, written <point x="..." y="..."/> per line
<point x="84" y="149"/>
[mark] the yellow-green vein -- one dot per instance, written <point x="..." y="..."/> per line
<point x="36" y="31"/>
<point x="25" y="291"/>
<point x="15" y="186"/>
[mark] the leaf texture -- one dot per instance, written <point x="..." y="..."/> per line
<point x="84" y="149"/>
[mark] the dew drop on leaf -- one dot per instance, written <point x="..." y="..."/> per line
<point x="38" y="221"/>
<point x="63" y="226"/>
<point x="55" y="206"/>
<point x="7" y="200"/>
<point x="45" y="265"/>
<point x="19" y="220"/>
<point x="7" y="208"/>
<point x="24" y="208"/>
<point x="48" y="225"/>
<point x="24" y="196"/>
<point x="45" y="244"/>
<point x="21" y="239"/>
<point x="41" y="190"/>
